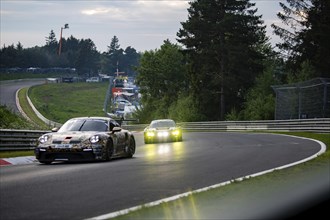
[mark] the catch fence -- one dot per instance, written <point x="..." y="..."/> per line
<point x="309" y="99"/>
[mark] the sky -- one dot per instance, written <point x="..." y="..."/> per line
<point x="141" y="24"/>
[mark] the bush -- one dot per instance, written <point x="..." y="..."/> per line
<point x="185" y="110"/>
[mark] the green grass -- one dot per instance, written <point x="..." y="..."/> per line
<point x="61" y="101"/>
<point x="7" y="154"/>
<point x="39" y="124"/>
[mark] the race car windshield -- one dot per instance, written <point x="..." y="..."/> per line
<point x="162" y="124"/>
<point x="84" y="125"/>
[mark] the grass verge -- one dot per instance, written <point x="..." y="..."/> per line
<point x="61" y="101"/>
<point x="7" y="154"/>
<point x="28" y="110"/>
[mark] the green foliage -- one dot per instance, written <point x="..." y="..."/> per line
<point x="87" y="58"/>
<point x="144" y="115"/>
<point x="119" y="59"/>
<point x="233" y="115"/>
<point x="185" y="110"/>
<point x="260" y="99"/>
<point x="79" y="54"/>
<point x="10" y="120"/>
<point x="222" y="41"/>
<point x="305" y="72"/>
<point x="305" y="35"/>
<point x="29" y="112"/>
<point x="161" y="76"/>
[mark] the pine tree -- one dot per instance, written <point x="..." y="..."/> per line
<point x="305" y="35"/>
<point x="51" y="39"/>
<point x="114" y="45"/>
<point x="222" y="40"/>
<point x="51" y="43"/>
<point x="114" y="55"/>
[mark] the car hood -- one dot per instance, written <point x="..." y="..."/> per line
<point x="71" y="137"/>
<point x="162" y="128"/>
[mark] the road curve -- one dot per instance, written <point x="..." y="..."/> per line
<point x="9" y="88"/>
<point x="85" y="190"/>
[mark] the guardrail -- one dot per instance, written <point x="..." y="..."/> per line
<point x="15" y="140"/>
<point x="26" y="139"/>
<point x="321" y="125"/>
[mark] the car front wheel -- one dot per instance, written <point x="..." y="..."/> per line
<point x="131" y="147"/>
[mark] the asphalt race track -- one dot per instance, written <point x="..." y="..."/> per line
<point x="9" y="88"/>
<point x="85" y="190"/>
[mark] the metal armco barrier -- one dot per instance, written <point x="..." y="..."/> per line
<point x="15" y="140"/>
<point x="26" y="139"/>
<point x="310" y="125"/>
<point x="321" y="125"/>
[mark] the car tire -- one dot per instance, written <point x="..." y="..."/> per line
<point x="131" y="147"/>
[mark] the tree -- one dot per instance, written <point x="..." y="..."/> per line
<point x="131" y="60"/>
<point x="115" y="54"/>
<point x="51" y="43"/>
<point x="79" y="54"/>
<point x="114" y="46"/>
<point x="305" y="35"/>
<point x="161" y="77"/>
<point x="51" y="39"/>
<point x="260" y="99"/>
<point x="9" y="57"/>
<point x="222" y="41"/>
<point x="86" y="63"/>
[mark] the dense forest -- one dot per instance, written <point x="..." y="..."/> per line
<point x="80" y="55"/>
<point x="221" y="68"/>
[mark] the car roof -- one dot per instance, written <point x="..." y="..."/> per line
<point x="159" y="120"/>
<point x="93" y="118"/>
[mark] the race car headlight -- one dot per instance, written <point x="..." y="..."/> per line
<point x="43" y="139"/>
<point x="94" y="139"/>
<point x="150" y="133"/>
<point x="176" y="132"/>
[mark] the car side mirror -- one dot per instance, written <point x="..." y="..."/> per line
<point x="55" y="129"/>
<point x="116" y="129"/>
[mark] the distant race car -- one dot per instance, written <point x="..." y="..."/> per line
<point x="85" y="139"/>
<point x="162" y="130"/>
